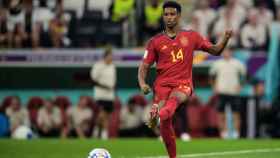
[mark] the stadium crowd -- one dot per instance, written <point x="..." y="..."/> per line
<point x="40" y="24"/>
<point x="125" y="23"/>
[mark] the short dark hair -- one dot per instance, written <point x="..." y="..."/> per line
<point x="172" y="4"/>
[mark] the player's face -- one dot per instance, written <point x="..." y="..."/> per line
<point x="171" y="17"/>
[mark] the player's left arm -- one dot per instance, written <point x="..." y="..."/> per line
<point x="217" y="49"/>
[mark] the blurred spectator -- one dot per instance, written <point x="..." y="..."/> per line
<point x="131" y="120"/>
<point x="246" y="3"/>
<point x="236" y="10"/>
<point x="122" y="9"/>
<point x="204" y="21"/>
<point x="103" y="74"/>
<point x="253" y="34"/>
<point x="100" y="5"/>
<point x="58" y="29"/>
<point x="3" y="28"/>
<point x="18" y="115"/>
<point x="278" y="15"/>
<point x="80" y="118"/>
<point x="152" y="15"/>
<point x="74" y="5"/>
<point x="194" y="24"/>
<point x="49" y="119"/>
<point x="227" y="84"/>
<point x="41" y="17"/>
<point x="16" y="24"/>
<point x="265" y="16"/>
<point x="232" y="16"/>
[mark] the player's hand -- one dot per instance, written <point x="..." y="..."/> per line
<point x="146" y="89"/>
<point x="228" y="33"/>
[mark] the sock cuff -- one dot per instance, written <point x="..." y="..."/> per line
<point x="174" y="98"/>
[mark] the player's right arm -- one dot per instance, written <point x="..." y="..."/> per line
<point x="142" y="74"/>
<point x="147" y="62"/>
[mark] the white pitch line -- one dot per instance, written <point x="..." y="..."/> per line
<point x="237" y="152"/>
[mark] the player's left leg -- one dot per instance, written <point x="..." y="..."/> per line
<point x="176" y="97"/>
<point x="166" y="113"/>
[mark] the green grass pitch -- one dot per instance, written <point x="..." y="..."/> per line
<point x="139" y="148"/>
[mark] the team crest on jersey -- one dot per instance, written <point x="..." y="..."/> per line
<point x="184" y="41"/>
<point x="163" y="47"/>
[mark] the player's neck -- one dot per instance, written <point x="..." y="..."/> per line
<point x="171" y="32"/>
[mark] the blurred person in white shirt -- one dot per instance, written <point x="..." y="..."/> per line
<point x="232" y="15"/>
<point x="247" y="4"/>
<point x="131" y="120"/>
<point x="49" y="119"/>
<point x="18" y="115"/>
<point x="253" y="34"/>
<point x="194" y="24"/>
<point x="103" y="74"/>
<point x="227" y="20"/>
<point x="80" y="119"/>
<point x="101" y="5"/>
<point x="41" y="17"/>
<point x="16" y="24"/>
<point x="227" y="74"/>
<point x="238" y="10"/>
<point x="200" y="13"/>
<point x="74" y="5"/>
<point x="265" y="15"/>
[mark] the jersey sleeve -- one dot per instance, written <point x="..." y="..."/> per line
<point x="150" y="53"/>
<point x="201" y="42"/>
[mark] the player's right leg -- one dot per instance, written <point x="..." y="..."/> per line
<point x="154" y="114"/>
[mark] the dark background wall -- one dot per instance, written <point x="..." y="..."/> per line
<point x="68" y="78"/>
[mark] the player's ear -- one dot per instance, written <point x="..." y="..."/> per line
<point x="179" y="14"/>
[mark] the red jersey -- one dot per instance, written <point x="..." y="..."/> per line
<point x="174" y="57"/>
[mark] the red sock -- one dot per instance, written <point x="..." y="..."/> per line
<point x="169" y="108"/>
<point x="168" y="136"/>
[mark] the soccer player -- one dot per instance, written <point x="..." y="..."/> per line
<point x="172" y="50"/>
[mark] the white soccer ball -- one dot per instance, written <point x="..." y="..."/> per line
<point x="23" y="132"/>
<point x="99" y="153"/>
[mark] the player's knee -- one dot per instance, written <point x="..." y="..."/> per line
<point x="164" y="114"/>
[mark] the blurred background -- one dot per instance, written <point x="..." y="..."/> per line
<point x="49" y="48"/>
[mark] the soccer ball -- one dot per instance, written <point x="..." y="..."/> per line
<point x="23" y="132"/>
<point x="99" y="153"/>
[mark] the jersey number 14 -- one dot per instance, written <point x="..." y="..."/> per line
<point x="177" y="56"/>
